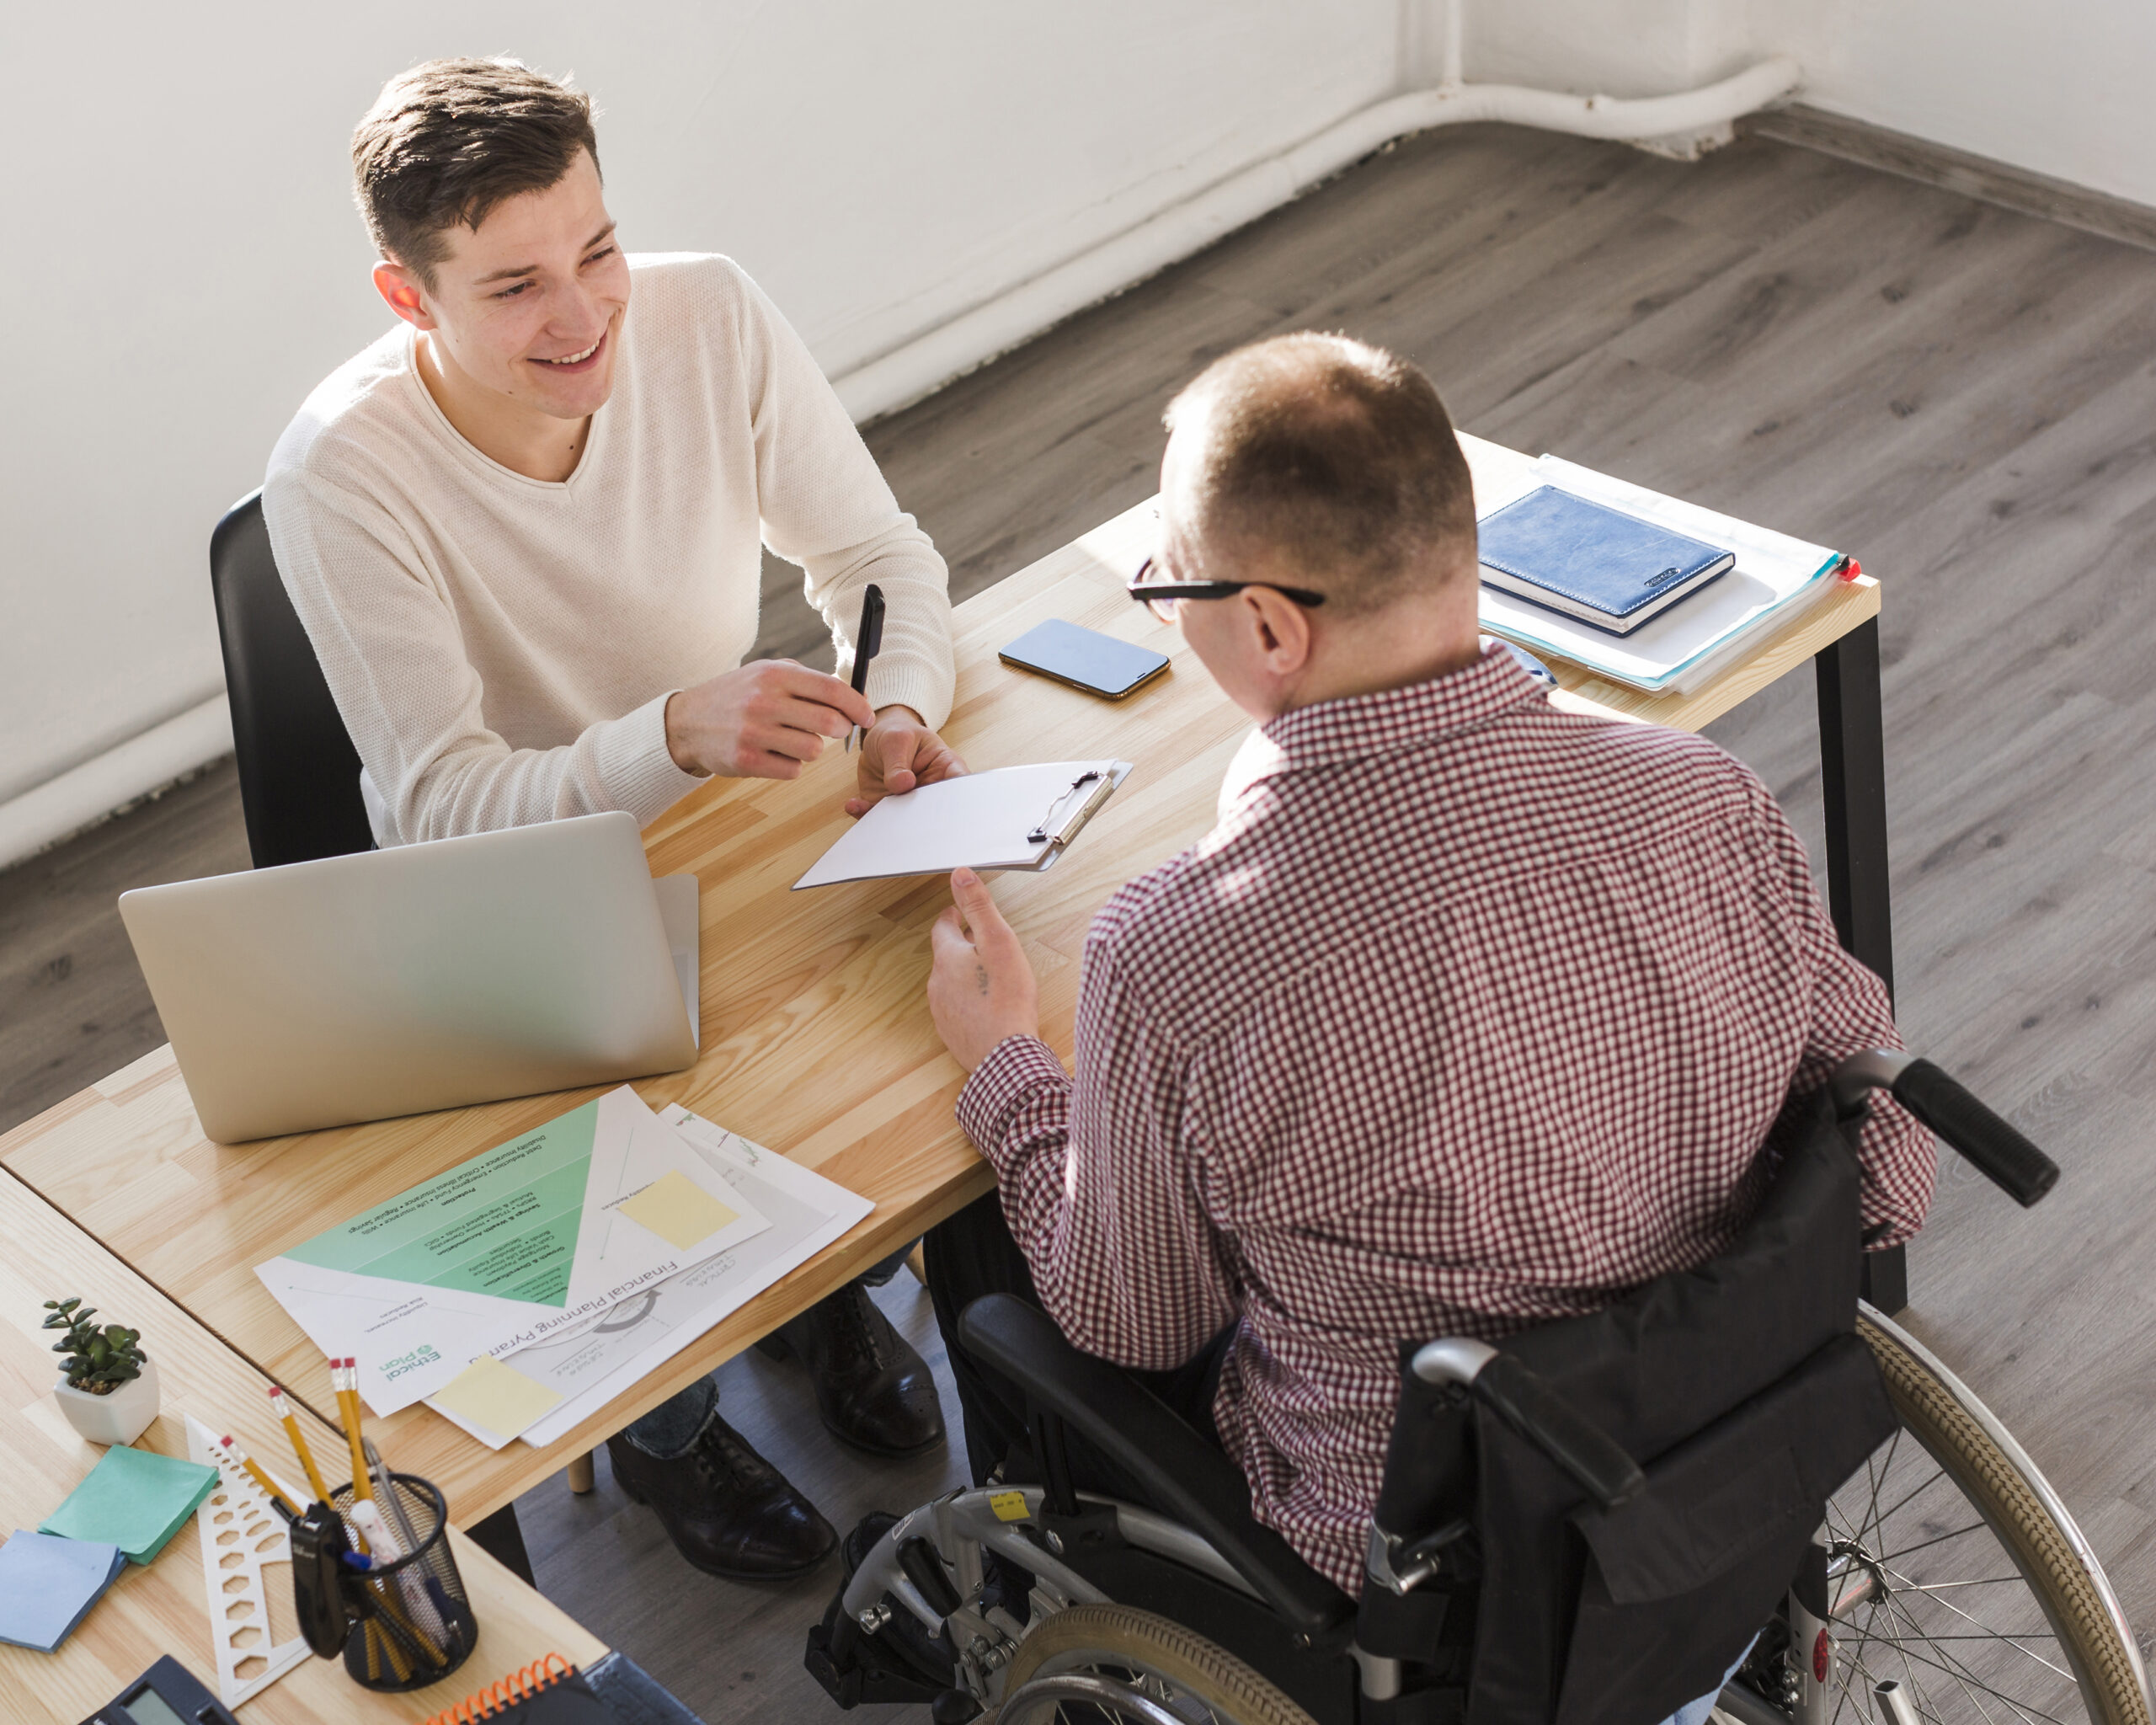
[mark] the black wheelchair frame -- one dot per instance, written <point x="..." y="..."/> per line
<point x="1522" y="1569"/>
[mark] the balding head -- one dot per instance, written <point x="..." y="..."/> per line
<point x="1330" y="460"/>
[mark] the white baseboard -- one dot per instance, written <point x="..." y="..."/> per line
<point x="60" y="808"/>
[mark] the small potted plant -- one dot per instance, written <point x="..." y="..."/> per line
<point x="108" y="1388"/>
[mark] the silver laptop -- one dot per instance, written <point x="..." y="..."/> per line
<point x="428" y="976"/>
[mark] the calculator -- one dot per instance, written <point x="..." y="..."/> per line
<point x="167" y="1694"/>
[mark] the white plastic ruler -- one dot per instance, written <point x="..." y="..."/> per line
<point x="241" y="1535"/>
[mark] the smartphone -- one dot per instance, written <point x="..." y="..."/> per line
<point x="1085" y="659"/>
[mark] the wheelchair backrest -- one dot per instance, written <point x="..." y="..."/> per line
<point x="1742" y="1388"/>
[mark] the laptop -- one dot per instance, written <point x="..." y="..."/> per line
<point x="427" y="976"/>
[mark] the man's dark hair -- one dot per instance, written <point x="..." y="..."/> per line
<point x="449" y="140"/>
<point x="1336" y="457"/>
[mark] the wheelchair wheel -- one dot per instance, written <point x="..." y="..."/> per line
<point x="1954" y="1570"/>
<point x="1101" y="1663"/>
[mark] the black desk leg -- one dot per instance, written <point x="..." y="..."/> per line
<point x="1853" y="784"/>
<point x="502" y="1538"/>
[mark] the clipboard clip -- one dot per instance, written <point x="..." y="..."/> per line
<point x="1072" y="810"/>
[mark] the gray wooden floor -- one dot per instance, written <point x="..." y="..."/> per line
<point x="1963" y="396"/>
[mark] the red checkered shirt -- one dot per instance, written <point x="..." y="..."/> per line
<point x="1469" y="1014"/>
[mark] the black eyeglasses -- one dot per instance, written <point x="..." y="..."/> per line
<point x="1162" y="597"/>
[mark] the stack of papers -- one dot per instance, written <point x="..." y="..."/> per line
<point x="543" y="1392"/>
<point x="135" y="1499"/>
<point x="538" y="1238"/>
<point x="48" y="1584"/>
<point x="1775" y="580"/>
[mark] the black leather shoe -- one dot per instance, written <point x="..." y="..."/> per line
<point x="871" y="1388"/>
<point x="727" y="1510"/>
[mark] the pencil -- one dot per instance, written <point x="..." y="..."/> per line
<point x="299" y="1444"/>
<point x="289" y="1508"/>
<point x="345" y="1382"/>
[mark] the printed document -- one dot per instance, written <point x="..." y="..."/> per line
<point x="535" y="1238"/>
<point x="586" y="1366"/>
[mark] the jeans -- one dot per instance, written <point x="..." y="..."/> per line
<point x="672" y="1428"/>
<point x="1696" y="1712"/>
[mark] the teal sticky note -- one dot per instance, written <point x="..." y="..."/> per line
<point x="135" y="1499"/>
<point x="47" y="1586"/>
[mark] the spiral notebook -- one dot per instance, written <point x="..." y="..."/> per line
<point x="551" y="1692"/>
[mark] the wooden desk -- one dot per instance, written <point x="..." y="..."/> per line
<point x="816" y="1041"/>
<point x="162" y="1608"/>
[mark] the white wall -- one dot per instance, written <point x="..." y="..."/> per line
<point x="2062" y="89"/>
<point x="184" y="262"/>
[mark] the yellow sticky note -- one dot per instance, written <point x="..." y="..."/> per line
<point x="1009" y="1506"/>
<point x="677" y="1210"/>
<point x="497" y="1396"/>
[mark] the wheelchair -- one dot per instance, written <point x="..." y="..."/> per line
<point x="1811" y="1483"/>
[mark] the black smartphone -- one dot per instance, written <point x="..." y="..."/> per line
<point x="1085" y="659"/>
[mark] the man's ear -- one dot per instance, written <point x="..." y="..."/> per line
<point x="404" y="293"/>
<point x="1283" y="628"/>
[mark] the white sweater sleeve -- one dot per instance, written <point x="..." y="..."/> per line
<point x="826" y="506"/>
<point x="387" y="639"/>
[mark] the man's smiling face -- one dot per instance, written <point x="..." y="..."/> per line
<point x="529" y="305"/>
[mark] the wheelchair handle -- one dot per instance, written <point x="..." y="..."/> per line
<point x="1993" y="1147"/>
<point x="1510" y="1389"/>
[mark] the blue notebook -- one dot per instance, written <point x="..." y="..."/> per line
<point x="1600" y="565"/>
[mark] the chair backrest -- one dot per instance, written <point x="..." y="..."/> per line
<point x="299" y="774"/>
<point x="1742" y="1388"/>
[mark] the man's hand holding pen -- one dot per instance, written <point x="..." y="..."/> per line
<point x="898" y="751"/>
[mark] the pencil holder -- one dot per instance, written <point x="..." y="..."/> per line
<point x="410" y="1620"/>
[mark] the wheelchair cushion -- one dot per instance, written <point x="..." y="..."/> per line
<point x="1183" y="1475"/>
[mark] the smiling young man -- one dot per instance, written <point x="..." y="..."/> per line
<point x="1469" y="1013"/>
<point x="524" y="530"/>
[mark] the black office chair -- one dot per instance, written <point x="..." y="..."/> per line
<point x="299" y="774"/>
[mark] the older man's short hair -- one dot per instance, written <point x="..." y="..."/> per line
<point x="1336" y="458"/>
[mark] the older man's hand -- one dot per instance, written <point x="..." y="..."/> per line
<point x="981" y="989"/>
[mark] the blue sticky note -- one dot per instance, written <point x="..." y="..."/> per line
<point x="48" y="1584"/>
<point x="135" y="1498"/>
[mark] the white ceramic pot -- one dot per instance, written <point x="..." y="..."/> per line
<point x="119" y="1416"/>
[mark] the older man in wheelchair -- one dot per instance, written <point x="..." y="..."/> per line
<point x="1433" y="1296"/>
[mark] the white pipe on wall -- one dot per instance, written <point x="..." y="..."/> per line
<point x="82" y="796"/>
<point x="61" y="806"/>
<point x="914" y="369"/>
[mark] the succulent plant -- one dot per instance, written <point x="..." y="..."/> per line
<point x="100" y="1358"/>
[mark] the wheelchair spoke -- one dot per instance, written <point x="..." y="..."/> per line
<point x="1991" y="1634"/>
<point x="1908" y="1498"/>
<point x="1886" y="1557"/>
<point x="1949" y="1665"/>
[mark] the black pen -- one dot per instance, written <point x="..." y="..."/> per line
<point x="867" y="640"/>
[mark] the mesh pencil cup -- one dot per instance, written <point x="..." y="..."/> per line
<point x="411" y="1622"/>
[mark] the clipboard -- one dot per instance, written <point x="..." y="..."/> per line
<point x="1021" y="818"/>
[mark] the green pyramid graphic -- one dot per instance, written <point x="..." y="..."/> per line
<point x="504" y="1223"/>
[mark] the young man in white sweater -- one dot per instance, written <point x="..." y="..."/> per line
<point x="524" y="530"/>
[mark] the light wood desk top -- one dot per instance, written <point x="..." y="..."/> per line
<point x="816" y="1042"/>
<point x="162" y="1608"/>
